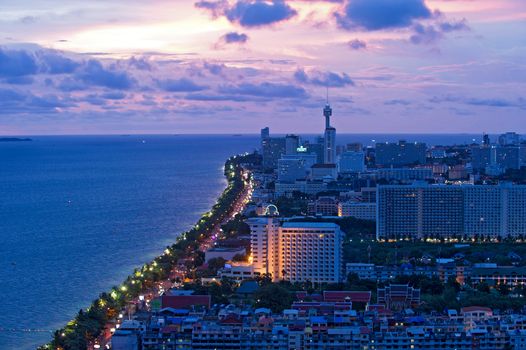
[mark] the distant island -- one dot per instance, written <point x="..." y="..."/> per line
<point x="14" y="139"/>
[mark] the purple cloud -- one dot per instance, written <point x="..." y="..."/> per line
<point x="428" y="34"/>
<point x="234" y="37"/>
<point x="272" y="90"/>
<point x="55" y="63"/>
<point x="357" y="44"/>
<point x="250" y="13"/>
<point x="14" y="63"/>
<point x="180" y="85"/>
<point x="328" y="79"/>
<point x="94" y="73"/>
<point x="381" y="14"/>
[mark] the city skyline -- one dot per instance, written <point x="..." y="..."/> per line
<point x="412" y="66"/>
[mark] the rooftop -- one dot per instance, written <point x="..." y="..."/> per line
<point x="327" y="225"/>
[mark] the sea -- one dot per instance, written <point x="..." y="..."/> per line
<point x="79" y="213"/>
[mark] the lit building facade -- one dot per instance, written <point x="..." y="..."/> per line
<point x="422" y="211"/>
<point x="310" y="251"/>
<point x="297" y="251"/>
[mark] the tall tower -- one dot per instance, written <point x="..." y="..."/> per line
<point x="327" y="112"/>
<point x="329" y="149"/>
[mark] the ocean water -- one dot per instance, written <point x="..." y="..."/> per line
<point x="79" y="213"/>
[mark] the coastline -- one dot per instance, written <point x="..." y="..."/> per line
<point x="92" y="326"/>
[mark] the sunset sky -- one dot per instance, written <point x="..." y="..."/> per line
<point x="234" y="66"/>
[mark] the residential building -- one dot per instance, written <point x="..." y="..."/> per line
<point x="421" y="211"/>
<point x="358" y="210"/>
<point x="323" y="171"/>
<point x="292" y="142"/>
<point x="509" y="138"/>
<point x="400" y="154"/>
<point x="404" y="174"/>
<point x="271" y="148"/>
<point x="297" y="251"/>
<point x="325" y="205"/>
<point x="310" y="251"/>
<point x="352" y="162"/>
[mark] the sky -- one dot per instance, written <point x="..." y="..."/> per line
<point x="235" y="66"/>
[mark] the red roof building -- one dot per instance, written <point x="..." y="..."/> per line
<point x="344" y="296"/>
<point x="185" y="301"/>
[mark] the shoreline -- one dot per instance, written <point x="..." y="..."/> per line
<point x="91" y="326"/>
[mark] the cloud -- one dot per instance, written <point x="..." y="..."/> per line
<point x="20" y="80"/>
<point x="250" y="13"/>
<point x="16" y="102"/>
<point x="15" y="63"/>
<point x="428" y="34"/>
<point x="213" y="68"/>
<point x="94" y="73"/>
<point x="113" y="95"/>
<point x="357" y="44"/>
<point x="216" y="8"/>
<point x="381" y="14"/>
<point x="234" y="37"/>
<point x="447" y="27"/>
<point x="425" y="34"/>
<point x="395" y="102"/>
<point x="222" y="97"/>
<point x="328" y="79"/>
<point x="55" y="63"/>
<point x="180" y="85"/>
<point x="140" y="63"/>
<point x="483" y="102"/>
<point x="271" y="90"/>
<point x="259" y="13"/>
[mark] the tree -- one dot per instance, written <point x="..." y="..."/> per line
<point x="215" y="264"/>
<point x="274" y="297"/>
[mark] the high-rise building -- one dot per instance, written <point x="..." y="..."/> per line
<point x="422" y="211"/>
<point x="292" y="142"/>
<point x="509" y="139"/>
<point x="263" y="244"/>
<point x="329" y="156"/>
<point x="358" y="210"/>
<point x="354" y="147"/>
<point x="505" y="157"/>
<point x="352" y="162"/>
<point x="292" y="169"/>
<point x="265" y="133"/>
<point x="310" y="251"/>
<point x="297" y="251"/>
<point x="316" y="147"/>
<point x="401" y="153"/>
<point x="271" y="148"/>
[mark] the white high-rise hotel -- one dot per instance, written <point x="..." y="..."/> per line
<point x="451" y="211"/>
<point x="297" y="251"/>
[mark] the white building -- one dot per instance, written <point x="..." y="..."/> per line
<point x="264" y="243"/>
<point x="444" y="211"/>
<point x="310" y="251"/>
<point x="297" y="251"/>
<point x="358" y="210"/>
